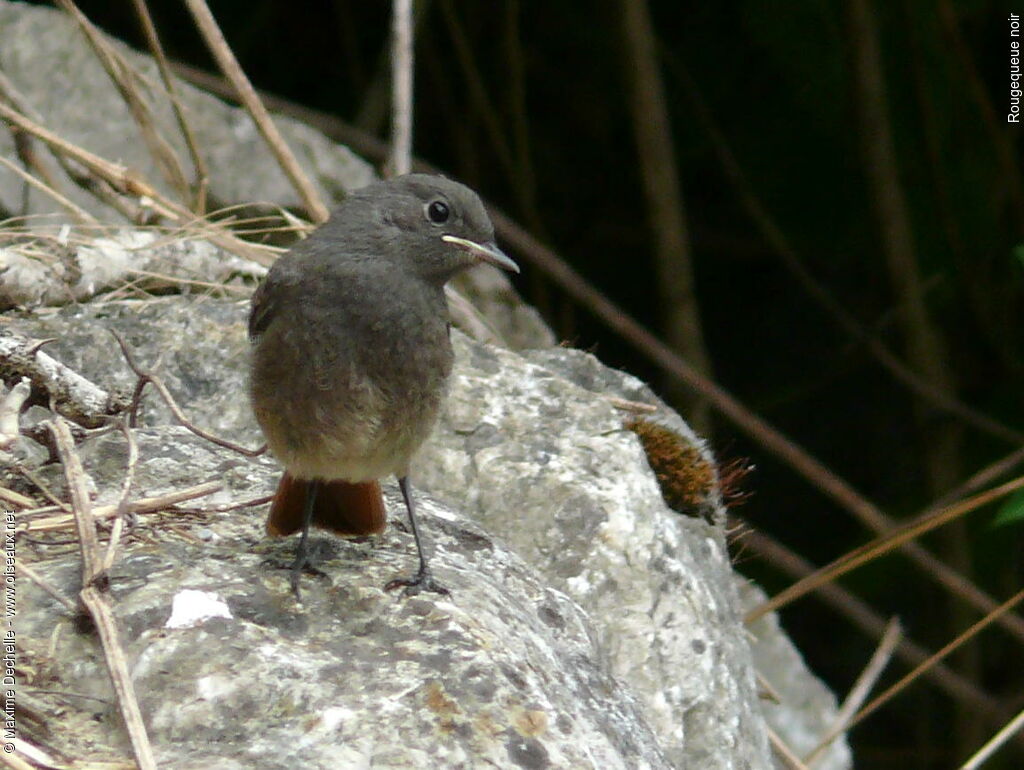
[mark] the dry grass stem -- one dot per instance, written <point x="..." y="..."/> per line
<point x="996" y="742"/>
<point x="637" y="407"/>
<point x="95" y="600"/>
<point x="880" y="546"/>
<point x="110" y="180"/>
<point x="864" y="617"/>
<point x="43" y="583"/>
<point x="80" y="214"/>
<point x="15" y="498"/>
<point x="125" y="81"/>
<point x="43" y="487"/>
<point x="142" y="505"/>
<point x="122" y="503"/>
<point x="958" y="642"/>
<point x="861" y="688"/>
<point x="116" y="174"/>
<point x="202" y="174"/>
<point x="784" y="753"/>
<point x="15" y="762"/>
<point x="229" y="66"/>
<point x="400" y="161"/>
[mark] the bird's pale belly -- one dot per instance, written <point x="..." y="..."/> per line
<point x="352" y="431"/>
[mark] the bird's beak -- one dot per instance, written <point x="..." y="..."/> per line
<point x="483" y="252"/>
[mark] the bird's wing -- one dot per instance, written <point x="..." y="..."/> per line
<point x="274" y="290"/>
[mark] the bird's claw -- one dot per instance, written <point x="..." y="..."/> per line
<point x="421" y="581"/>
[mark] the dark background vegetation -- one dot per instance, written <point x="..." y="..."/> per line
<point x="529" y="102"/>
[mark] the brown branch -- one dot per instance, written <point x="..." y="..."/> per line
<point x="228" y="64"/>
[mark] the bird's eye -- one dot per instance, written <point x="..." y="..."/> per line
<point x="438" y="212"/>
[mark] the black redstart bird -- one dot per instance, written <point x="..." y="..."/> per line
<point x="352" y="352"/>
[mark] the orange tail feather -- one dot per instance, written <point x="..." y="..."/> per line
<point x="340" y="506"/>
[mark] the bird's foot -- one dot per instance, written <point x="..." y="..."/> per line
<point x="299" y="567"/>
<point x="421" y="581"/>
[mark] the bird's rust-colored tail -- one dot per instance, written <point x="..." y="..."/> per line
<point x="340" y="506"/>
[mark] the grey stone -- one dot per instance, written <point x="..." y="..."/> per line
<point x="504" y="673"/>
<point x="641" y="600"/>
<point x="47" y="58"/>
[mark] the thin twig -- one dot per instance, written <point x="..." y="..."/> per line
<point x="864" y="617"/>
<point x="981" y="479"/>
<point x="43" y="583"/>
<point x="879" y="546"/>
<point x="15" y="498"/>
<point x="147" y="377"/>
<point x="76" y="211"/>
<point x="124" y="79"/>
<point x="401" y="87"/>
<point x="95" y="600"/>
<point x="250" y="503"/>
<point x="784" y="753"/>
<point x="202" y="178"/>
<point x="126" y="488"/>
<point x="958" y="642"/>
<point x="142" y="505"/>
<point x="229" y="66"/>
<point x="43" y="487"/>
<point x="994" y="743"/>
<point x="861" y="688"/>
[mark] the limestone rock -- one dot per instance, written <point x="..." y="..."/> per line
<point x="622" y="616"/>
<point x="48" y="60"/>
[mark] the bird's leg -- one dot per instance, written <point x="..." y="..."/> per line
<point x="422" y="580"/>
<point x="302" y="552"/>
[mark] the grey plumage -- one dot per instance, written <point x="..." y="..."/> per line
<point x="350" y="328"/>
